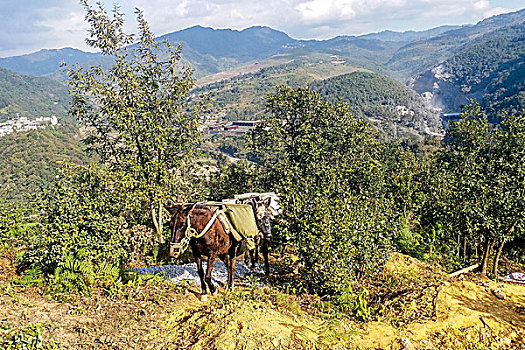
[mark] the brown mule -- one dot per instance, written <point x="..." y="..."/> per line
<point x="197" y="226"/>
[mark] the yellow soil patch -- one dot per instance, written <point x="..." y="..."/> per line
<point x="462" y="305"/>
<point x="232" y="322"/>
<point x="466" y="312"/>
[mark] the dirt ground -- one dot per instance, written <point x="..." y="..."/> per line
<point x="460" y="313"/>
<point x="466" y="310"/>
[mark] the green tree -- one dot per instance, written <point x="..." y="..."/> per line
<point x="510" y="182"/>
<point x="137" y="114"/>
<point x="235" y="178"/>
<point x="483" y="165"/>
<point x="326" y="166"/>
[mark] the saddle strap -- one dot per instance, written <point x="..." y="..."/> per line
<point x="207" y="227"/>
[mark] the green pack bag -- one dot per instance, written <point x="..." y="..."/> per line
<point x="242" y="219"/>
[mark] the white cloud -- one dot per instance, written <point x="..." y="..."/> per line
<point x="481" y="5"/>
<point x="181" y="9"/>
<point x="323" y="10"/>
<point x="495" y="11"/>
<point x="29" y="25"/>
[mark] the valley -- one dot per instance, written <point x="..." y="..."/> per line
<point x="266" y="57"/>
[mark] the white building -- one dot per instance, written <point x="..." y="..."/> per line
<point x="24" y="124"/>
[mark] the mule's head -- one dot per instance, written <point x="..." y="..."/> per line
<point x="178" y="226"/>
<point x="264" y="217"/>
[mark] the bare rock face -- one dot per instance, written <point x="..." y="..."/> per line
<point x="437" y="86"/>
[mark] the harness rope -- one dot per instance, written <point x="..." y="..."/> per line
<point x="192" y="232"/>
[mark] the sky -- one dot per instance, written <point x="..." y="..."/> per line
<point x="30" y="25"/>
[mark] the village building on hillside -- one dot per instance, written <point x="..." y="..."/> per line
<point x="25" y="124"/>
<point x="238" y="126"/>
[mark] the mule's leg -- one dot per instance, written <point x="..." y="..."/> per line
<point x="254" y="253"/>
<point x="226" y="258"/>
<point x="259" y="240"/>
<point x="254" y="256"/>
<point x="200" y="270"/>
<point x="265" y="249"/>
<point x="248" y="257"/>
<point x="231" y="269"/>
<point x="209" y="269"/>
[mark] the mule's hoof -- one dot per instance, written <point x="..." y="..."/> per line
<point x="204" y="297"/>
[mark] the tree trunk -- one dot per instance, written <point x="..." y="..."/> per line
<point x="465" y="257"/>
<point x="486" y="253"/>
<point x="157" y="221"/>
<point x="459" y="246"/>
<point x="496" y="259"/>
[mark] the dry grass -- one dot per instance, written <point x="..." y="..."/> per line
<point x="463" y="314"/>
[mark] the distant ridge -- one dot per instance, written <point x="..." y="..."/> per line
<point x="409" y="35"/>
<point x="45" y="61"/>
<point x="209" y="51"/>
<point x="247" y="44"/>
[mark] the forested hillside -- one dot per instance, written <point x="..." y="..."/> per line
<point x="243" y="96"/>
<point x="31" y="96"/>
<point x="29" y="159"/>
<point x="382" y="100"/>
<point x="491" y="69"/>
<point x="420" y="55"/>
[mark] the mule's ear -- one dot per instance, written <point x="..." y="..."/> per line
<point x="172" y="209"/>
<point x="268" y="201"/>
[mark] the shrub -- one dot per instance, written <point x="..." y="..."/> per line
<point x="83" y="237"/>
<point x="83" y="217"/>
<point x="341" y="241"/>
<point x="30" y="337"/>
<point x="15" y="225"/>
<point x="328" y="169"/>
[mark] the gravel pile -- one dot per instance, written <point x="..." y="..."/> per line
<point x="188" y="272"/>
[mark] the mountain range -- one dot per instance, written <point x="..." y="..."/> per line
<point x="398" y="81"/>
<point x="440" y="63"/>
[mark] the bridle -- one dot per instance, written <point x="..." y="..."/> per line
<point x="177" y="249"/>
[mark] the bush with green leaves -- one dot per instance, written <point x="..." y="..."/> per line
<point x="327" y="167"/>
<point x="77" y="274"/>
<point x="235" y="178"/>
<point x="30" y="337"/>
<point x="84" y="212"/>
<point x="83" y="236"/>
<point x="341" y="241"/>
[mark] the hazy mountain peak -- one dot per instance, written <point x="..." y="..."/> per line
<point x="211" y="50"/>
<point x="409" y="35"/>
